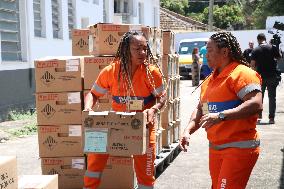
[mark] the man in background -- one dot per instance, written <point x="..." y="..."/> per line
<point x="247" y="52"/>
<point x="264" y="61"/>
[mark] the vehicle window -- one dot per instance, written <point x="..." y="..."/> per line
<point x="187" y="47"/>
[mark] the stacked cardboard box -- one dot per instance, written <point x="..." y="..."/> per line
<point x="170" y="114"/>
<point x="9" y="178"/>
<point x="59" y="106"/>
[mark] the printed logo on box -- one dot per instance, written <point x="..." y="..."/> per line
<point x="88" y="122"/>
<point x="111" y="41"/>
<point x="47" y="78"/>
<point x="81" y="43"/>
<point x="136" y="123"/>
<point x="53" y="172"/>
<point x="50" y="143"/>
<point x="48" y="111"/>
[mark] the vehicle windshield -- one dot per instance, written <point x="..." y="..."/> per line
<point x="187" y="47"/>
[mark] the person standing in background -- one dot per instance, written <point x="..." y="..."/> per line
<point x="247" y="52"/>
<point x="195" y="68"/>
<point x="264" y="61"/>
<point x="205" y="69"/>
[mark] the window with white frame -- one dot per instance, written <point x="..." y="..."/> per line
<point x="96" y="2"/>
<point x="10" y="31"/>
<point x="71" y="20"/>
<point x="38" y="24"/>
<point x="56" y="19"/>
<point x="141" y="12"/>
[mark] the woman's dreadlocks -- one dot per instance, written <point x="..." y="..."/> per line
<point x="123" y="55"/>
<point x="227" y="40"/>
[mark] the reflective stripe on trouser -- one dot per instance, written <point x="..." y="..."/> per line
<point x="231" y="167"/>
<point x="96" y="165"/>
<point x="143" y="164"/>
<point x="239" y="144"/>
<point x="141" y="186"/>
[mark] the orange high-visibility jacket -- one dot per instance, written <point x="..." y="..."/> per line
<point x="225" y="91"/>
<point x="147" y="85"/>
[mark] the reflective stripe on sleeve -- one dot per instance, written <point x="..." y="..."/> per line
<point x="141" y="186"/>
<point x="158" y="90"/>
<point x="239" y="144"/>
<point x="92" y="174"/>
<point x="99" y="89"/>
<point x="247" y="89"/>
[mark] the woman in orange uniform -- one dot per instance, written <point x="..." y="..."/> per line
<point x="230" y="101"/>
<point x="129" y="79"/>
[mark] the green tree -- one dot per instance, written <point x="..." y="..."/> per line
<point x="264" y="9"/>
<point x="225" y="16"/>
<point x="177" y="6"/>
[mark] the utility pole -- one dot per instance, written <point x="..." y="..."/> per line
<point x="210" y="17"/>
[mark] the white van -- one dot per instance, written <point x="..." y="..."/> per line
<point x="185" y="54"/>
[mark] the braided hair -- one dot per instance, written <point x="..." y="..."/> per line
<point x="124" y="56"/>
<point x="227" y="40"/>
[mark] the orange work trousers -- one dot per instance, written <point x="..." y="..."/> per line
<point x="143" y="165"/>
<point x="231" y="167"/>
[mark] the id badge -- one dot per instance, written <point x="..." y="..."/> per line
<point x="205" y="109"/>
<point x="135" y="104"/>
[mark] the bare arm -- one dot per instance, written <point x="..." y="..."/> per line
<point x="252" y="104"/>
<point x="156" y="108"/>
<point x="192" y="126"/>
<point x="89" y="101"/>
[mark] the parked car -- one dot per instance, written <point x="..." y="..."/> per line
<point x="185" y="57"/>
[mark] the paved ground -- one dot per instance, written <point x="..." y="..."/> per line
<point x="189" y="170"/>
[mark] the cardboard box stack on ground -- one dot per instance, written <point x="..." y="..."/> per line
<point x="115" y="133"/>
<point x="69" y="169"/>
<point x="80" y="42"/>
<point x="59" y="105"/>
<point x="92" y="66"/>
<point x="119" y="173"/>
<point x="170" y="113"/>
<point x="38" y="182"/>
<point x="8" y="172"/>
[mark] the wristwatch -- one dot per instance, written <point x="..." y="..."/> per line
<point x="221" y="116"/>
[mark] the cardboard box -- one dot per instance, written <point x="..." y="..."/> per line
<point x="8" y="172"/>
<point x="167" y="65"/>
<point x="59" y="74"/>
<point x="176" y="109"/>
<point x="38" y="182"/>
<point x="168" y="38"/>
<point x="93" y="65"/>
<point x="167" y="114"/>
<point x="177" y="130"/>
<point x="60" y="141"/>
<point x="104" y="103"/>
<point x="115" y="133"/>
<point x="59" y="108"/>
<point x="158" y="42"/>
<point x="105" y="37"/>
<point x="168" y="135"/>
<point x="119" y="173"/>
<point x="70" y="170"/>
<point x="80" y="42"/>
<point x="159" y="142"/>
<point x="148" y="32"/>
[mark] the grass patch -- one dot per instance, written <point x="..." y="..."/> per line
<point x="20" y="115"/>
<point x="24" y="131"/>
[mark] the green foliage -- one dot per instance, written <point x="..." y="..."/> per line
<point x="20" y="115"/>
<point x="177" y="6"/>
<point x="225" y="16"/>
<point x="24" y="131"/>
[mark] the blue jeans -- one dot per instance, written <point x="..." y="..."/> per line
<point x="271" y="85"/>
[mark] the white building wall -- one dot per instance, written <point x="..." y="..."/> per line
<point x="86" y="12"/>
